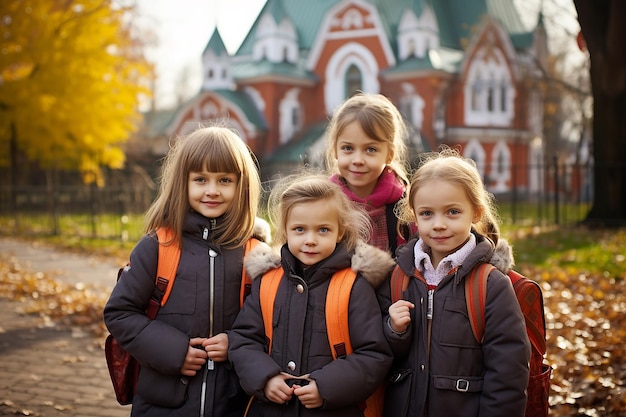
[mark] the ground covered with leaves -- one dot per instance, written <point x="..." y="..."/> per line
<point x="582" y="274"/>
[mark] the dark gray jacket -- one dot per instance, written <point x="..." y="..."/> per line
<point x="462" y="377"/>
<point x="300" y="336"/>
<point x="161" y="345"/>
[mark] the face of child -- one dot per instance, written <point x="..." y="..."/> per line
<point x="360" y="159"/>
<point x="211" y="193"/>
<point x="312" y="231"/>
<point x="444" y="217"/>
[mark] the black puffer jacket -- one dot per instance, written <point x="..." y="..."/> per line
<point x="460" y="378"/>
<point x="300" y="342"/>
<point x="161" y="345"/>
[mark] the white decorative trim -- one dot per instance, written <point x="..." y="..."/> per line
<point x="535" y="161"/>
<point x="349" y="54"/>
<point x="254" y="94"/>
<point x="412" y="106"/>
<point x="475" y="151"/>
<point x="416" y="36"/>
<point x="330" y="20"/>
<point x="223" y="111"/>
<point x="487" y="78"/>
<point x="275" y="41"/>
<point x="500" y="173"/>
<point x="287" y="106"/>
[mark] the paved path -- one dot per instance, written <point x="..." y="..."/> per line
<point x="46" y="370"/>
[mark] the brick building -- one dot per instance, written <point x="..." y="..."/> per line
<point x="462" y="72"/>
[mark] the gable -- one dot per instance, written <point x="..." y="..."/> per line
<point x="354" y="20"/>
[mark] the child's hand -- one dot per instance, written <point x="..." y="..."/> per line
<point x="217" y="347"/>
<point x="309" y="395"/>
<point x="276" y="390"/>
<point x="195" y="358"/>
<point x="400" y="315"/>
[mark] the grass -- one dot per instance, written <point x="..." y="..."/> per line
<point x="580" y="249"/>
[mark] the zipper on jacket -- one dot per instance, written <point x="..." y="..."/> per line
<point x="429" y="307"/>
<point x="429" y="322"/>
<point x="212" y="255"/>
<point x="210" y="365"/>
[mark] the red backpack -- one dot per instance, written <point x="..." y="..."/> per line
<point x="530" y="299"/>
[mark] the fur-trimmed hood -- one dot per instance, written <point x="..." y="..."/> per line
<point x="372" y="263"/>
<point x="502" y="257"/>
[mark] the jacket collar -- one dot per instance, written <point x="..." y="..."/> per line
<point x="372" y="263"/>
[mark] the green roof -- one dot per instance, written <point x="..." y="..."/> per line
<point x="443" y="59"/>
<point x="295" y="149"/>
<point x="456" y="18"/>
<point x="245" y="103"/>
<point x="216" y="44"/>
<point x="306" y="15"/>
<point x="264" y="67"/>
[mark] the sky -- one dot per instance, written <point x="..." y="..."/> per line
<point x="182" y="29"/>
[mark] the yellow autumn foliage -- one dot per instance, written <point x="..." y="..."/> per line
<point x="72" y="75"/>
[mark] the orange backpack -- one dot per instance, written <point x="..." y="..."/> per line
<point x="337" y="300"/>
<point x="530" y="299"/>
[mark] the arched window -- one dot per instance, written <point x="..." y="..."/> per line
<point x="490" y="97"/>
<point x="411" y="50"/>
<point x="489" y="91"/>
<point x="354" y="81"/>
<point x="503" y="96"/>
<point x="477" y="90"/>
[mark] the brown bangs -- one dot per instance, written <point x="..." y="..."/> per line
<point x="214" y="156"/>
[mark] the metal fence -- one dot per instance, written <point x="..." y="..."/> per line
<point x="561" y="197"/>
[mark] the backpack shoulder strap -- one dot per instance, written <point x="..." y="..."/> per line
<point x="337" y="303"/>
<point x="392" y="227"/>
<point x="475" y="296"/>
<point x="246" y="279"/>
<point x="169" y="255"/>
<point x="269" y="287"/>
<point x="399" y="283"/>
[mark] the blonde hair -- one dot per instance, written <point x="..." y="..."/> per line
<point x="214" y="149"/>
<point x="380" y="120"/>
<point x="306" y="187"/>
<point x="449" y="165"/>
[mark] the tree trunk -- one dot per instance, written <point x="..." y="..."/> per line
<point x="602" y="24"/>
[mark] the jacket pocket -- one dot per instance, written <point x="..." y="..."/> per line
<point x="398" y="392"/>
<point x="162" y="390"/>
<point x="457" y="331"/>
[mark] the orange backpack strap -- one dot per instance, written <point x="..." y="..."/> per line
<point x="475" y="296"/>
<point x="269" y="287"/>
<point x="246" y="279"/>
<point x="337" y="302"/>
<point x="169" y="256"/>
<point x="399" y="283"/>
<point x="337" y="326"/>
